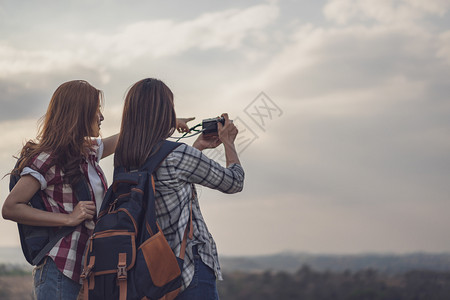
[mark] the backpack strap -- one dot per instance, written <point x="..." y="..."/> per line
<point x="59" y="235"/>
<point x="82" y="191"/>
<point x="163" y="149"/>
<point x="122" y="276"/>
<point x="150" y="166"/>
<point x="87" y="276"/>
<point x="189" y="231"/>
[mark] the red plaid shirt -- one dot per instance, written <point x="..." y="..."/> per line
<point x="60" y="198"/>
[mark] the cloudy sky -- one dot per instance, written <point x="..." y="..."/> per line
<point x="342" y="106"/>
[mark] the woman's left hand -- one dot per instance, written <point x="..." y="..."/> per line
<point x="182" y="124"/>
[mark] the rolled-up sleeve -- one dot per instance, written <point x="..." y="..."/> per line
<point x="38" y="167"/>
<point x="38" y="176"/>
<point x="195" y="167"/>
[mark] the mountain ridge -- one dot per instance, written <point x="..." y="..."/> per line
<point x="383" y="263"/>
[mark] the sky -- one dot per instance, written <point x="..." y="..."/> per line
<point x="342" y="107"/>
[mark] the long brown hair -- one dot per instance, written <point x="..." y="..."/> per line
<point x="66" y="127"/>
<point x="148" y="118"/>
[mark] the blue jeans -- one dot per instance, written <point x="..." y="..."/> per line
<point x="203" y="284"/>
<point x="51" y="284"/>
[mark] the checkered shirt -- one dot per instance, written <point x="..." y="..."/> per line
<point x="59" y="197"/>
<point x="174" y="184"/>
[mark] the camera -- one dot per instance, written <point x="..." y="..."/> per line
<point x="209" y="126"/>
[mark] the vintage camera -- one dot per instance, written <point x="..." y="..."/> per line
<point x="209" y="126"/>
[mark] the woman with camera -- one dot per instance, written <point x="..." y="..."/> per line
<point x="149" y="119"/>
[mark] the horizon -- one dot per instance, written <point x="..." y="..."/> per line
<point x="16" y="252"/>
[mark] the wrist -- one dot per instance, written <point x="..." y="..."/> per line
<point x="68" y="220"/>
<point x="228" y="144"/>
<point x="198" y="146"/>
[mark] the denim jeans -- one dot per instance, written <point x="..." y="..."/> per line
<point x="51" y="284"/>
<point x="203" y="284"/>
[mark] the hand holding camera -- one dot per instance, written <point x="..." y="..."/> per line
<point x="216" y="131"/>
<point x="209" y="138"/>
<point x="209" y="126"/>
<point x="227" y="131"/>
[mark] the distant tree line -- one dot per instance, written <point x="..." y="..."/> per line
<point x="307" y="284"/>
<point x="13" y="270"/>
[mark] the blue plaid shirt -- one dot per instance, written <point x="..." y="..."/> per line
<point x="174" y="183"/>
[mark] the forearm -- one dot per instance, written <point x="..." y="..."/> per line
<point x="109" y="145"/>
<point x="230" y="151"/>
<point x="16" y="206"/>
<point x="25" y="214"/>
<point x="231" y="155"/>
<point x="194" y="167"/>
<point x="197" y="146"/>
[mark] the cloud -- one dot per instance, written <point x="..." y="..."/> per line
<point x="433" y="7"/>
<point x="362" y="144"/>
<point x="444" y="47"/>
<point x="365" y="128"/>
<point x="27" y="95"/>
<point x="383" y="11"/>
<point x="15" y="60"/>
<point x="17" y="101"/>
<point x="360" y="154"/>
<point x="324" y="59"/>
<point x="226" y="30"/>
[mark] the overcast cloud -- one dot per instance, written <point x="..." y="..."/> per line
<point x="354" y="157"/>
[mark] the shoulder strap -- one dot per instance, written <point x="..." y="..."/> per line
<point x="81" y="190"/>
<point x="189" y="230"/>
<point x="152" y="164"/>
<point x="62" y="232"/>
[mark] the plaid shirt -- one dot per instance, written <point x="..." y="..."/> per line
<point x="60" y="198"/>
<point x="174" y="189"/>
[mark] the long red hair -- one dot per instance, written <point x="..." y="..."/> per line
<point x="66" y="127"/>
<point x="148" y="118"/>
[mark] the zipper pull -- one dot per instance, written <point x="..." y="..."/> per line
<point x="112" y="206"/>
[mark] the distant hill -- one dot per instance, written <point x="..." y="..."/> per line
<point x="383" y="263"/>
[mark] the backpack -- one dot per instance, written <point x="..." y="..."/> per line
<point x="37" y="241"/>
<point x="128" y="257"/>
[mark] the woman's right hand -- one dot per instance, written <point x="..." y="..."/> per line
<point x="84" y="210"/>
<point x="228" y="131"/>
<point x="227" y="134"/>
